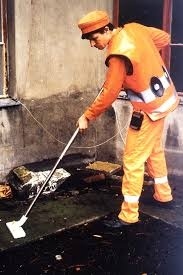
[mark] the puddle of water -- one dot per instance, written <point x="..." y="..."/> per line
<point x="148" y="248"/>
<point x="151" y="247"/>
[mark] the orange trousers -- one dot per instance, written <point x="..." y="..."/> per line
<point x="144" y="145"/>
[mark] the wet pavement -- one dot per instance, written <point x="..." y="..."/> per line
<point x="66" y="233"/>
<point x="150" y="247"/>
<point x="173" y="214"/>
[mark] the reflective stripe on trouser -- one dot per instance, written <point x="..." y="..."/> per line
<point x="156" y="166"/>
<point x="162" y="190"/>
<point x="141" y="146"/>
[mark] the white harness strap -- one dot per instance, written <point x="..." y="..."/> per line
<point x="147" y="95"/>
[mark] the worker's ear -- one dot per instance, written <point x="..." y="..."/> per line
<point x="106" y="29"/>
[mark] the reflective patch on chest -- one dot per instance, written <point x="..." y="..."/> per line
<point x="156" y="86"/>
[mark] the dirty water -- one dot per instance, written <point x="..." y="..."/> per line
<point x="75" y="202"/>
<point x="56" y="244"/>
<point x="148" y="248"/>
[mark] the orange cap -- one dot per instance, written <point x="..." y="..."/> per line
<point x="93" y="21"/>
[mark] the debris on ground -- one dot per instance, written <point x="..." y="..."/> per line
<point x="94" y="249"/>
<point x="105" y="171"/>
<point x="95" y="178"/>
<point x="28" y="183"/>
<point x="23" y="174"/>
<point x="5" y="191"/>
<point x="105" y="167"/>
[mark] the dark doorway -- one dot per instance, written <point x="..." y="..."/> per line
<point x="146" y="12"/>
<point x="176" y="67"/>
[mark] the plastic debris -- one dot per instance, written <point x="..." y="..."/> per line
<point x="58" y="257"/>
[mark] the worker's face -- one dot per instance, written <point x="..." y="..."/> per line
<point x="100" y="40"/>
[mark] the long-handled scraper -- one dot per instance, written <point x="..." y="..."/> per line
<point x="15" y="227"/>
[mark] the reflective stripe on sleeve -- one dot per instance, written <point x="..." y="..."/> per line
<point x="161" y="180"/>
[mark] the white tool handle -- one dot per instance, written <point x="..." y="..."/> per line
<point x="52" y="171"/>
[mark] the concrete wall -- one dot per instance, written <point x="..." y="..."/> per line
<point x="55" y="75"/>
<point x="51" y="59"/>
<point x="173" y="140"/>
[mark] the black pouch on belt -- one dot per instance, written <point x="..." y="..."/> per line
<point x="136" y="120"/>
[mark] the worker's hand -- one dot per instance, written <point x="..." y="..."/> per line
<point x="82" y="123"/>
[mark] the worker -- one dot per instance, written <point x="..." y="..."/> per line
<point x="135" y="66"/>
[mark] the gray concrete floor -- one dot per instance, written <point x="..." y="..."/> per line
<point x="172" y="215"/>
<point x="54" y="214"/>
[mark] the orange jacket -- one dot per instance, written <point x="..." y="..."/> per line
<point x="148" y="85"/>
<point x="110" y="90"/>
